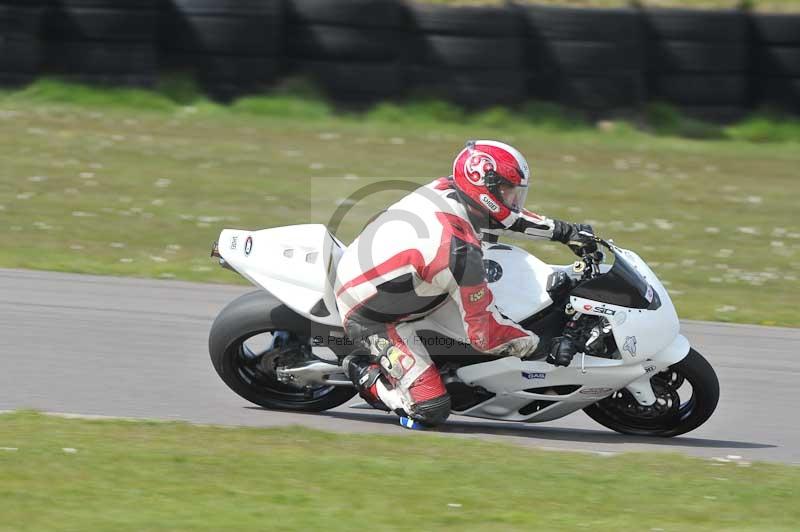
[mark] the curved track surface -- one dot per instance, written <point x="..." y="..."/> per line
<point x="137" y="348"/>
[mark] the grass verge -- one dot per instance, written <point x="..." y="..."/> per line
<point x="119" y="475"/>
<point x="133" y="183"/>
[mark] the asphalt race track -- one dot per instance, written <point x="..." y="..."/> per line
<point x="137" y="348"/>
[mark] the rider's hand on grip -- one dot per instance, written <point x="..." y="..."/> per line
<point x="562" y="350"/>
<point x="581" y="239"/>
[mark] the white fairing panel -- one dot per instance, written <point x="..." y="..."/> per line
<point x="521" y="290"/>
<point x="293" y="263"/>
<point x="639" y="333"/>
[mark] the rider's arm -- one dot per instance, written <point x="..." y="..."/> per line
<point x="465" y="280"/>
<point x="537" y="227"/>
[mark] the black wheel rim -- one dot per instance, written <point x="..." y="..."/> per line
<point x="676" y="400"/>
<point x="255" y="357"/>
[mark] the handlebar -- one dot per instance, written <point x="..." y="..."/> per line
<point x="592" y="259"/>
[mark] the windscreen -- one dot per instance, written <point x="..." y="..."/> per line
<point x="622" y="285"/>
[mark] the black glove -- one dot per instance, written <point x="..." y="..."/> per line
<point x="562" y="349"/>
<point x="570" y="234"/>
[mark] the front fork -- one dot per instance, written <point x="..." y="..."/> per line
<point x="641" y="388"/>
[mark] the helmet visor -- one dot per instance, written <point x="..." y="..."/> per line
<point x="513" y="196"/>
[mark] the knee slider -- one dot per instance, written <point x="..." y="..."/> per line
<point x="433" y="411"/>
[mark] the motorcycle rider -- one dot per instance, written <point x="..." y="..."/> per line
<point x="426" y="248"/>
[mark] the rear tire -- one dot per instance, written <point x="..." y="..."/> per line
<point x="614" y="412"/>
<point x="248" y="316"/>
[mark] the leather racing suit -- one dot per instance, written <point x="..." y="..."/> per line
<point x="404" y="265"/>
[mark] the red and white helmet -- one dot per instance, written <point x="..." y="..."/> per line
<point x="493" y="178"/>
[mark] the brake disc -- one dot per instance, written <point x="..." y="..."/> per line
<point x="667" y="402"/>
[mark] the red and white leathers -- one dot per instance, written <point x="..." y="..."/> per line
<point x="405" y="264"/>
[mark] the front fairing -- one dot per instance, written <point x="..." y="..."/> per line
<point x="622" y="285"/>
<point x="640" y="333"/>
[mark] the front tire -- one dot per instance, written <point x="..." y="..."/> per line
<point x="676" y="412"/>
<point x="259" y="316"/>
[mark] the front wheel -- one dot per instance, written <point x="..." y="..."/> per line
<point x="686" y="395"/>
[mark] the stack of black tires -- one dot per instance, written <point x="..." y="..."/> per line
<point x="102" y="41"/>
<point x="776" y="60"/>
<point x="231" y="46"/>
<point x="699" y="60"/>
<point x="590" y="58"/>
<point x="353" y="50"/>
<point x="470" y="55"/>
<point x="20" y="44"/>
<point x="713" y="64"/>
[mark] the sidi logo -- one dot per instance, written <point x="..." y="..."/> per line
<point x="599" y="310"/>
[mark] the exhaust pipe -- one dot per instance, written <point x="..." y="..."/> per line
<point x="215" y="254"/>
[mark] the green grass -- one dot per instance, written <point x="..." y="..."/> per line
<point x="172" y="476"/>
<point x="99" y="182"/>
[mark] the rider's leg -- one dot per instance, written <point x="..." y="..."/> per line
<point x="406" y="381"/>
<point x="366" y="374"/>
<point x="413" y="384"/>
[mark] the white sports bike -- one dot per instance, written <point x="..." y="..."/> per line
<point x="634" y="372"/>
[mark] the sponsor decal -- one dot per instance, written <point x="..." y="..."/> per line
<point x="477" y="296"/>
<point x="477" y="165"/>
<point x="649" y="295"/>
<point x="533" y="375"/>
<point x="234" y="241"/>
<point x="599" y="310"/>
<point x="650" y="368"/>
<point x="630" y="345"/>
<point x="489" y="203"/>
<point x="596" y="391"/>
<point x="248" y="246"/>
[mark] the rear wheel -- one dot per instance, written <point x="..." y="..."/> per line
<point x="247" y="349"/>
<point x="686" y="395"/>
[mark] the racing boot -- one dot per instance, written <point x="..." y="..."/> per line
<point x="364" y="372"/>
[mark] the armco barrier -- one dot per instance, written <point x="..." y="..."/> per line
<point x="107" y="41"/>
<point x="713" y="63"/>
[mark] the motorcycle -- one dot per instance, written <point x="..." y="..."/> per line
<point x="281" y="347"/>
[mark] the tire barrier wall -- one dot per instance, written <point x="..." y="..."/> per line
<point x="103" y="41"/>
<point x="776" y="59"/>
<point x="715" y="64"/>
<point x="470" y="55"/>
<point x="20" y="45"/>
<point x="230" y="46"/>
<point x="592" y="58"/>
<point x="699" y="60"/>
<point x="354" y="50"/>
